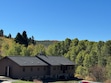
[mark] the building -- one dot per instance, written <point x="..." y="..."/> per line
<point x="59" y="67"/>
<point x="40" y="66"/>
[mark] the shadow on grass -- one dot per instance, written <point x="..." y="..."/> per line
<point x="55" y="80"/>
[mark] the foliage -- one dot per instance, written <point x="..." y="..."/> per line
<point x="39" y="49"/>
<point x="23" y="39"/>
<point x="1" y="33"/>
<point x="86" y="54"/>
<point x="97" y="72"/>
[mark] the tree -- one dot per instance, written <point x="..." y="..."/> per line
<point x="100" y="54"/>
<point x="1" y="33"/>
<point x="108" y="68"/>
<point x="81" y="71"/>
<point x="15" y="49"/>
<point x="9" y="36"/>
<point x="19" y="38"/>
<point x="50" y="50"/>
<point x="80" y="58"/>
<point x="98" y="73"/>
<point x="31" y="40"/>
<point x="25" y="38"/>
<point x="24" y="51"/>
<point x="81" y="45"/>
<point x="74" y="42"/>
<point x="4" y="49"/>
<point x="67" y="43"/>
<point x="30" y="50"/>
<point x="72" y="53"/>
<point x="39" y="49"/>
<point x="22" y="39"/>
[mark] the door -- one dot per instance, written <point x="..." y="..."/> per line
<point x="7" y="71"/>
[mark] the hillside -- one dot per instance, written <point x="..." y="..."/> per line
<point x="93" y="59"/>
<point x="43" y="42"/>
<point x="46" y="42"/>
<point x="9" y="47"/>
<point x="4" y="40"/>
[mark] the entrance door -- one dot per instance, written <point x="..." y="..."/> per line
<point x="7" y="71"/>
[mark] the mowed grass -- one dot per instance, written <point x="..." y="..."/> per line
<point x="65" y="82"/>
<point x="20" y="81"/>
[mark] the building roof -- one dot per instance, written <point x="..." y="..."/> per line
<point x="27" y="61"/>
<point x="55" y="60"/>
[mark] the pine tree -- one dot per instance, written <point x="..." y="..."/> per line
<point x="25" y="38"/>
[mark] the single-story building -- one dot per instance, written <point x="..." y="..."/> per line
<point x="40" y="66"/>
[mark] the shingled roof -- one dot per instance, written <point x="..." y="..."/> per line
<point x="55" y="60"/>
<point x="40" y="60"/>
<point x="27" y="61"/>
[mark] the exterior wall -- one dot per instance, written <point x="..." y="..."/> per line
<point x="57" y="71"/>
<point x="4" y="63"/>
<point x="26" y="72"/>
<point x="54" y="70"/>
<point x="34" y="72"/>
<point x="70" y="70"/>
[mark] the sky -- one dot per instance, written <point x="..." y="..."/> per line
<point x="57" y="19"/>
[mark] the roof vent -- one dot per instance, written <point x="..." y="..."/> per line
<point x="41" y="53"/>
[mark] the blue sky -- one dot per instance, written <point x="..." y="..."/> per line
<point x="57" y="19"/>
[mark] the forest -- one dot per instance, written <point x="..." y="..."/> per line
<point x="92" y="59"/>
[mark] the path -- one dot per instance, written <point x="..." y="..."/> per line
<point x="4" y="79"/>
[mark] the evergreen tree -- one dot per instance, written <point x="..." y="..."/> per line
<point x="31" y="40"/>
<point x="9" y="36"/>
<point x="25" y="38"/>
<point x="1" y="33"/>
<point x="22" y="39"/>
<point x="19" y="39"/>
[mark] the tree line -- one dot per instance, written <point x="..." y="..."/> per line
<point x="91" y="58"/>
<point x="23" y="39"/>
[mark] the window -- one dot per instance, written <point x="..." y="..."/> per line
<point x="69" y="67"/>
<point x="61" y="67"/>
<point x="54" y="68"/>
<point x="44" y="68"/>
<point x="66" y="67"/>
<point x="38" y="69"/>
<point x="58" y="68"/>
<point x="31" y="69"/>
<point x="72" y="67"/>
<point x="23" y="69"/>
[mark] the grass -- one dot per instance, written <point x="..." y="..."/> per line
<point x="20" y="81"/>
<point x="65" y="82"/>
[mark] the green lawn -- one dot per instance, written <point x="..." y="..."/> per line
<point x="65" y="82"/>
<point x="20" y="81"/>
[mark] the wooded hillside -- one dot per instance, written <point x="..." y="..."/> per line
<point x="92" y="58"/>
